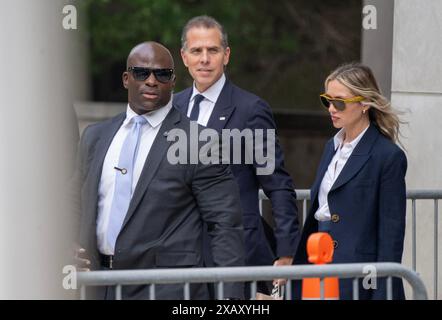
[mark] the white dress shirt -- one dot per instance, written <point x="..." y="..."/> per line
<point x="107" y="181"/>
<point x="344" y="151"/>
<point x="210" y="97"/>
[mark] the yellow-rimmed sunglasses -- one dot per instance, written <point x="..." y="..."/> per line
<point x="338" y="103"/>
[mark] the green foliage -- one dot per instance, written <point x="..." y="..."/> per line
<point x="281" y="50"/>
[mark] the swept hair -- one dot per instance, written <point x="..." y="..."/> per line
<point x="206" y="22"/>
<point x="359" y="79"/>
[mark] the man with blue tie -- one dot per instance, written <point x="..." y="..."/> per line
<point x="215" y="102"/>
<point x="140" y="211"/>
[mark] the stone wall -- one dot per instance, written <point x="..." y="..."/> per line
<point x="416" y="88"/>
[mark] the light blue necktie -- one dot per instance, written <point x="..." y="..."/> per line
<point x="123" y="180"/>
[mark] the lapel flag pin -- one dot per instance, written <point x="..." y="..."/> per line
<point x="222" y="118"/>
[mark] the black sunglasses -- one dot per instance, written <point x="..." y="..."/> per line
<point x="338" y="103"/>
<point x="141" y="74"/>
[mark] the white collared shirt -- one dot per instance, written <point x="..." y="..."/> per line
<point x="210" y="97"/>
<point x="343" y="152"/>
<point x="108" y="174"/>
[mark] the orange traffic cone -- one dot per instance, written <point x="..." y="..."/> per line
<point x="320" y="251"/>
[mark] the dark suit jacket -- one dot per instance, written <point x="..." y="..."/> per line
<point x="163" y="226"/>
<point x="368" y="204"/>
<point x="242" y="110"/>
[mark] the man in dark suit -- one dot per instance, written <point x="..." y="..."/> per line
<point x="217" y="103"/>
<point x="146" y="212"/>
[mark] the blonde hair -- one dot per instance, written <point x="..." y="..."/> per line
<point x="359" y="79"/>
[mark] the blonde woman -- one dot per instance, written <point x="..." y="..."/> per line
<point x="359" y="192"/>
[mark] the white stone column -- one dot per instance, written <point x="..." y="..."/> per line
<point x="416" y="88"/>
<point x="43" y="68"/>
<point x="377" y="41"/>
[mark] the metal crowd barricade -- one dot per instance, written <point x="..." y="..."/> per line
<point x="301" y="195"/>
<point x="413" y="195"/>
<point x="434" y="195"/>
<point x="186" y="276"/>
<point x="152" y="277"/>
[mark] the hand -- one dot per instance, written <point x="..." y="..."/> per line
<point x="282" y="261"/>
<point x="81" y="260"/>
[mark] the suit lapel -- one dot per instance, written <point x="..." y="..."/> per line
<point x="223" y="108"/>
<point x="181" y="100"/>
<point x="155" y="157"/>
<point x="221" y="112"/>
<point x="358" y="158"/>
<point x="328" y="156"/>
<point x="98" y="158"/>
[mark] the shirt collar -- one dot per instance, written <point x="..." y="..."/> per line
<point x="338" y="139"/>
<point x="154" y="118"/>
<point x="213" y="92"/>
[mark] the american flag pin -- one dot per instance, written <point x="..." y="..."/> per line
<point x="222" y="118"/>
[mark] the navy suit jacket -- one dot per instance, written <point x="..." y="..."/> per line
<point x="239" y="109"/>
<point x="163" y="227"/>
<point x="367" y="203"/>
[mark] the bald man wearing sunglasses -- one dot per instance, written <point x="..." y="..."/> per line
<point x="139" y="210"/>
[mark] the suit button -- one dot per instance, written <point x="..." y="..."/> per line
<point x="335" y="218"/>
<point x="335" y="244"/>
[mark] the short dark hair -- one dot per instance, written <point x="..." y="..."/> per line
<point x="204" y="22"/>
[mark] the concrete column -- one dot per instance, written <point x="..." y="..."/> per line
<point x="376" y="50"/>
<point x="416" y="89"/>
<point x="43" y="71"/>
<point x="406" y="56"/>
